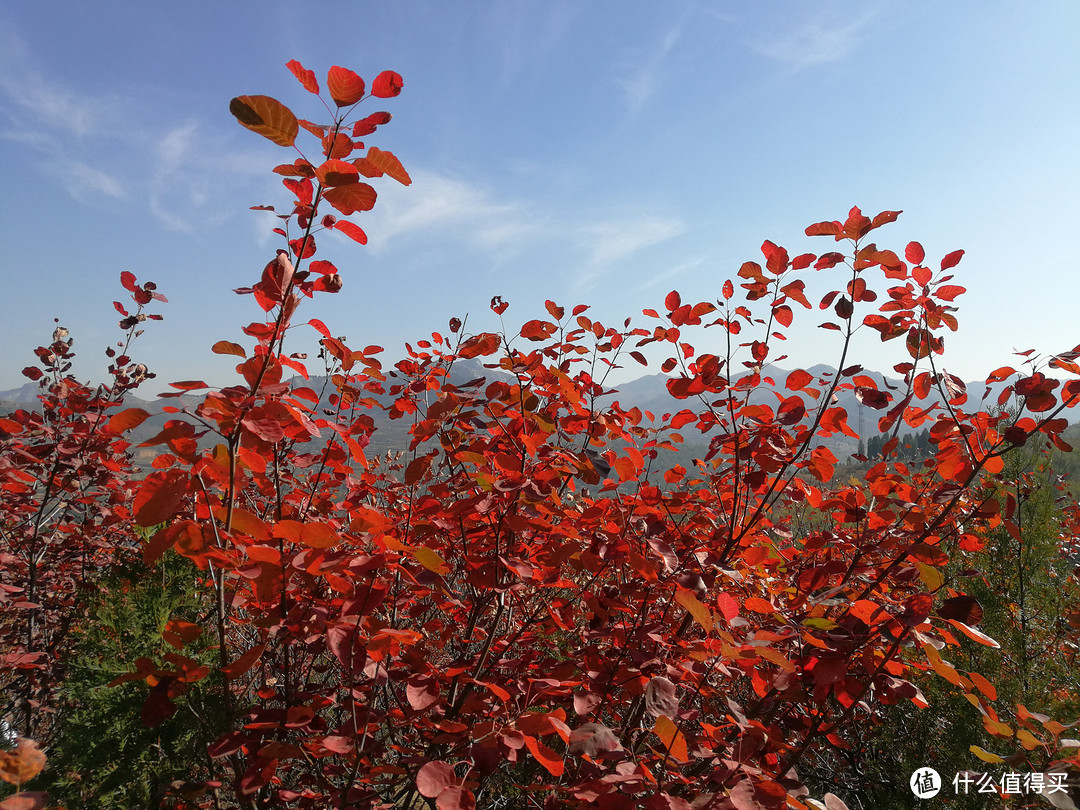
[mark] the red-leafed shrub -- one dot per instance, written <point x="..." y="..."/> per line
<point x="526" y="610"/>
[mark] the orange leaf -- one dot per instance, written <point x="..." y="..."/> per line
<point x="266" y="116"/>
<point x="351" y="198"/>
<point x="702" y="615"/>
<point x="345" y="86"/>
<point x="973" y="634"/>
<point x="389" y="164"/>
<point x="941" y="666"/>
<point x="672" y="738"/>
<point x="983" y="685"/>
<point x="318" y="535"/>
<point x="226" y="347"/>
<point x="337" y="173"/>
<point x="759" y="605"/>
<point x="545" y="756"/>
<point x="127" y="419"/>
<point x="22" y="764"/>
<point x="625" y="468"/>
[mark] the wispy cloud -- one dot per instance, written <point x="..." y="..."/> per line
<point x="37" y="107"/>
<point x="436" y="202"/>
<point x="82" y="181"/>
<point x="815" y="43"/>
<point x="476" y="217"/>
<point x="608" y="244"/>
<point x="642" y="83"/>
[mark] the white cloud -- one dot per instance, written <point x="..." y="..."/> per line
<point x="437" y="202"/>
<point x="643" y="82"/>
<point x="36" y="105"/>
<point x="82" y="180"/>
<point x="607" y="244"/>
<point x="815" y="43"/>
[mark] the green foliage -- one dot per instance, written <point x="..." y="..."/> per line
<point x="1024" y="583"/>
<point x="106" y="757"/>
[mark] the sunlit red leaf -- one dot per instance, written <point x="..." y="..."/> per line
<point x="349" y="199"/>
<point x="266" y="116"/>
<point x="335" y="172"/>
<point x="352" y="231"/>
<point x="389" y="164"/>
<point x="306" y="77"/>
<point x="127" y="419"/>
<point x="160" y="496"/>
<point x="551" y="761"/>
<point x="973" y="634"/>
<point x="387" y="84"/>
<point x="344" y="86"/>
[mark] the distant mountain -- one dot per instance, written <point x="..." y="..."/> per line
<point x="646" y="393"/>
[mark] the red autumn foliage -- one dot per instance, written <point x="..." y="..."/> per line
<point x="523" y="604"/>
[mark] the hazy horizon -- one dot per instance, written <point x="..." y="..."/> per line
<point x="582" y="153"/>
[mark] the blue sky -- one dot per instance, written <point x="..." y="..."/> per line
<point x="587" y="152"/>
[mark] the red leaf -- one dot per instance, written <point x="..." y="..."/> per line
<point x="352" y="231"/>
<point x="914" y="253"/>
<point x="351" y="198"/>
<point x="127" y="419"/>
<point x="434" y="778"/>
<point x="952" y="259"/>
<point x="336" y="172"/>
<point x="323" y="268"/>
<point x="948" y="292"/>
<point x="319" y="327"/>
<point x="825" y="229"/>
<point x="127" y="280"/>
<point x="159" y="497"/>
<point x="306" y="77"/>
<point x="25" y="800"/>
<point x="551" y="761"/>
<point x="660" y="697"/>
<point x="242" y="664"/>
<point x="422" y="692"/>
<point x="538" y="330"/>
<point x="591" y="739"/>
<point x="365" y="126"/>
<point x="798" y="380"/>
<point x="345" y="86"/>
<point x="963" y="608"/>
<point x="673" y="301"/>
<point x="387" y="84"/>
<point x="456" y="798"/>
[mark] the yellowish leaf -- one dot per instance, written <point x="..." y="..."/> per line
<point x="266" y="116"/>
